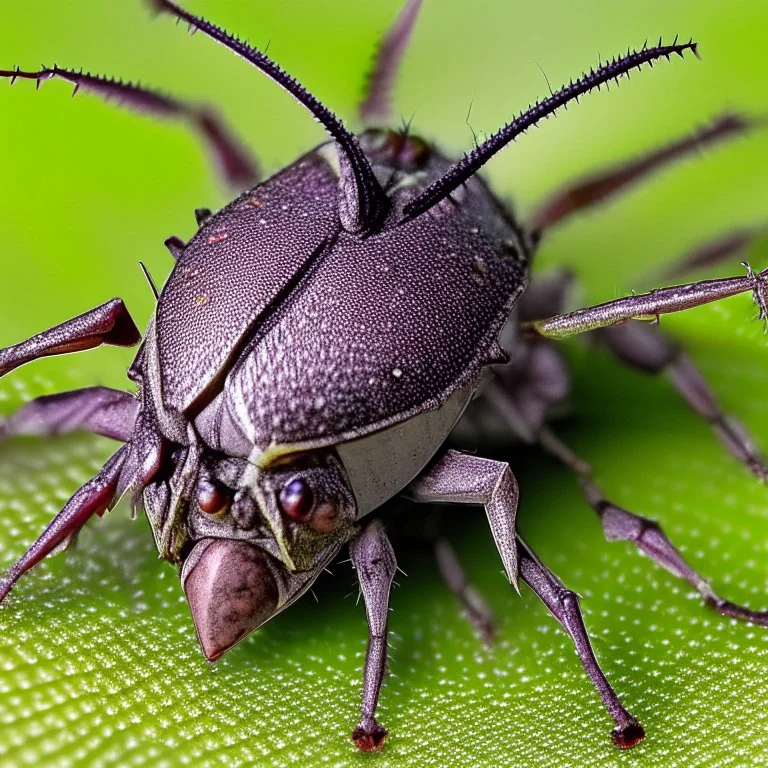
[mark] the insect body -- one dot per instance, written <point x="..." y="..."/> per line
<point x="318" y="341"/>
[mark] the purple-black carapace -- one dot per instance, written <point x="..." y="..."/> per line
<point x="321" y="338"/>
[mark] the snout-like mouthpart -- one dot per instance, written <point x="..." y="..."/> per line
<point x="230" y="590"/>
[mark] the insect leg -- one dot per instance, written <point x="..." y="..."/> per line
<point x="462" y="478"/>
<point x="377" y="103"/>
<point x="645" y="348"/>
<point x="475" y="607"/>
<point x="649" y="306"/>
<point x="103" y="411"/>
<point x="622" y="525"/>
<point x="466" y="479"/>
<point x="524" y="391"/>
<point x="716" y="251"/>
<point x="547" y="294"/>
<point x="94" y="497"/>
<point x="564" y="606"/>
<point x="596" y="189"/>
<point x="109" y="323"/>
<point x="237" y="167"/>
<point x="374" y="561"/>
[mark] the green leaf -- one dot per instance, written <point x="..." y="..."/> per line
<point x="99" y="664"/>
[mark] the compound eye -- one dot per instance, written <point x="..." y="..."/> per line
<point x="296" y="500"/>
<point x="212" y="498"/>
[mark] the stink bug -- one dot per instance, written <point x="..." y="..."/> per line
<point x="321" y="338"/>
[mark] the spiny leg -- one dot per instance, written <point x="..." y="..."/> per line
<point x="377" y="104"/>
<point x="94" y="498"/>
<point x="109" y="323"/>
<point x="466" y="479"/>
<point x="645" y="348"/>
<point x="564" y="606"/>
<point x="639" y="345"/>
<point x="648" y="306"/>
<point x="103" y="411"/>
<point x="476" y="609"/>
<point x="374" y="560"/>
<point x="602" y="186"/>
<point x="234" y="162"/>
<point x="622" y="525"/>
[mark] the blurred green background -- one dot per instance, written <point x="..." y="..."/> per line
<point x="98" y="660"/>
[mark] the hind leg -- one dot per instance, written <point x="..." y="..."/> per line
<point x="650" y="306"/>
<point x="621" y="525"/>
<point x="645" y="349"/>
<point x="377" y="102"/>
<point x="603" y="185"/>
<point x="236" y="165"/>
<point x="522" y="402"/>
<point x="471" y="601"/>
<point x="639" y="345"/>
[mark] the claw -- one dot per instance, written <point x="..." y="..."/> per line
<point x="760" y="291"/>
<point x="369" y="738"/>
<point x="628" y="735"/>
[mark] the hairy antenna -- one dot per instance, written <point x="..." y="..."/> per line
<point x="472" y="162"/>
<point x="363" y="199"/>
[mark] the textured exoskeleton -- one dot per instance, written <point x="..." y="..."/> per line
<point x="321" y="337"/>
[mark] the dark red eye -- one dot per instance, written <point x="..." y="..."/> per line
<point x="212" y="498"/>
<point x="296" y="500"/>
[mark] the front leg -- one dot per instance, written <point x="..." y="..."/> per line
<point x="108" y="324"/>
<point x="461" y="478"/>
<point x="94" y="498"/>
<point x="374" y="560"/>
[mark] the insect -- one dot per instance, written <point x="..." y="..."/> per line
<point x="321" y="337"/>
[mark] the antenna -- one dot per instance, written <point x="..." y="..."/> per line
<point x="472" y="162"/>
<point x="363" y="201"/>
